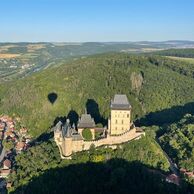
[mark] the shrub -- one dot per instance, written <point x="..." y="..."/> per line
<point x="87" y="134"/>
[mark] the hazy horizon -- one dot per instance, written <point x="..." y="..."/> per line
<point x="80" y="42"/>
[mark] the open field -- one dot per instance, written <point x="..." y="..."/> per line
<point x="190" y="60"/>
<point x="18" y="60"/>
<point x="8" y="56"/>
<point x="34" y="47"/>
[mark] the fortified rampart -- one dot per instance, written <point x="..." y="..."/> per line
<point x="70" y="146"/>
<point x="120" y="130"/>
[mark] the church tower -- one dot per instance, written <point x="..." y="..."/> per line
<point x="120" y="120"/>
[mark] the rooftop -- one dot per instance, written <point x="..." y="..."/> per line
<point x="70" y="131"/>
<point x="20" y="145"/>
<point x="86" y="121"/>
<point x="120" y="102"/>
<point x="58" y="126"/>
<point x="7" y="163"/>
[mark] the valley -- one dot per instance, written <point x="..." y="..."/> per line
<point x="18" y="60"/>
<point x="160" y="89"/>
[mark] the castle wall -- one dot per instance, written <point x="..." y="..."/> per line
<point x="119" y="131"/>
<point x="120" y="121"/>
<point x="77" y="145"/>
<point x="68" y="147"/>
<point x="112" y="140"/>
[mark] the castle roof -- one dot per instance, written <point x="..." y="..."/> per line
<point x="69" y="131"/>
<point x="86" y="121"/>
<point x="58" y="126"/>
<point x="120" y="102"/>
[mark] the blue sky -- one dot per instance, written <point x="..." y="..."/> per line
<point x="96" y="20"/>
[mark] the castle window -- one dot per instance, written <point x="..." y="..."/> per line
<point x="115" y="128"/>
<point x="122" y="121"/>
<point x="116" y="121"/>
<point x="127" y="115"/>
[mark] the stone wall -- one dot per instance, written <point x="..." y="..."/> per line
<point x="68" y="146"/>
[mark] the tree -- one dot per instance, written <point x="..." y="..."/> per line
<point x="87" y="134"/>
<point x="8" y="145"/>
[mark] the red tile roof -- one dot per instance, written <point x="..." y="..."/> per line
<point x="20" y="145"/>
<point x="173" y="178"/>
<point x="7" y="163"/>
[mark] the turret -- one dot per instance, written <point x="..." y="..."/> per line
<point x="58" y="131"/>
<point x="67" y="135"/>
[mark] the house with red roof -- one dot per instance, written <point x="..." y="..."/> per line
<point x="20" y="146"/>
<point x="173" y="178"/>
<point x="6" y="164"/>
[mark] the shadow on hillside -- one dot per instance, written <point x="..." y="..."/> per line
<point x="73" y="117"/>
<point x="92" y="108"/>
<point x="44" y="137"/>
<point x="166" y="116"/>
<point x="60" y="118"/>
<point x="52" y="97"/>
<point x="114" y="176"/>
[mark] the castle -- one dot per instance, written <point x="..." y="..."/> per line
<point x="120" y="129"/>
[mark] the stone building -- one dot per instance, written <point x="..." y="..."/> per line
<point x="120" y="129"/>
<point x="120" y="119"/>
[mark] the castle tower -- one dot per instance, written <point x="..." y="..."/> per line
<point x="67" y="135"/>
<point x="120" y="120"/>
<point x="58" y="131"/>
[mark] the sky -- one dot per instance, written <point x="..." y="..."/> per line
<point x="96" y="20"/>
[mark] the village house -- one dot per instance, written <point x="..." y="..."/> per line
<point x="173" y="178"/>
<point x="20" y="146"/>
<point x="2" y="126"/>
<point x="4" y="173"/>
<point x="9" y="185"/>
<point x="6" y="164"/>
<point x="187" y="173"/>
<point x="120" y="129"/>
<point x="9" y="134"/>
<point x="23" y="131"/>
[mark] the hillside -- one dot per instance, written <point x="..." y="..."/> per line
<point x="186" y="52"/>
<point x="178" y="141"/>
<point x="45" y="163"/>
<point x="18" y="60"/>
<point x="154" y="85"/>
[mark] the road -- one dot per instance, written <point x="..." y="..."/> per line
<point x="2" y="155"/>
<point x="173" y="166"/>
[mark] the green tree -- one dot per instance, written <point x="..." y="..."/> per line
<point x="8" y="145"/>
<point x="87" y="134"/>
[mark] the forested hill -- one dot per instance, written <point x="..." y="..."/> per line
<point x="189" y="52"/>
<point x="154" y="86"/>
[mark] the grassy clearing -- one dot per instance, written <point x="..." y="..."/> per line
<point x="8" y="56"/>
<point x="190" y="60"/>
